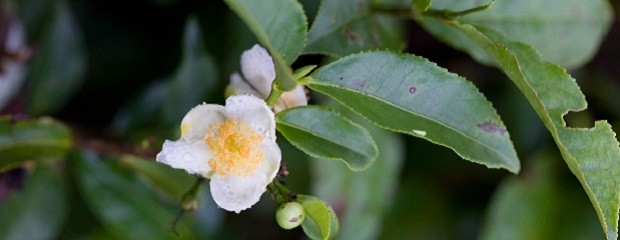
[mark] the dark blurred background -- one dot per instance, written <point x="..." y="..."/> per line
<point x="131" y="46"/>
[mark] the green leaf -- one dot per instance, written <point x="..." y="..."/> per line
<point x="173" y="182"/>
<point x="31" y="140"/>
<point x="194" y="79"/>
<point x="323" y="133"/>
<point x="411" y="95"/>
<point x="122" y="204"/>
<point x="362" y="197"/>
<point x="321" y="221"/>
<point x="58" y="68"/>
<point x="422" y="5"/>
<point x="566" y="32"/>
<point x="345" y="27"/>
<point x="591" y="154"/>
<point x="540" y="206"/>
<point x="280" y="26"/>
<point x="39" y="211"/>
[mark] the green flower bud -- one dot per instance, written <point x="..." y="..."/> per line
<point x="290" y="215"/>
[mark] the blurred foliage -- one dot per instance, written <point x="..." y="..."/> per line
<point x="124" y="73"/>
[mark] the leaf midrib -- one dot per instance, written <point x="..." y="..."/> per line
<point x="328" y="140"/>
<point x="417" y="114"/>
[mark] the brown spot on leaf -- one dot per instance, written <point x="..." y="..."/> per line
<point x="357" y="84"/>
<point x="412" y="90"/>
<point x="491" y="127"/>
<point x="350" y="35"/>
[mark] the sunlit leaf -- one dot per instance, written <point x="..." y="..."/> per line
<point x="321" y="221"/>
<point x="566" y="32"/>
<point x="592" y="154"/>
<point x="58" y="68"/>
<point x="32" y="140"/>
<point x="39" y="211"/>
<point x="281" y="27"/>
<point x="323" y="133"/>
<point x="411" y="95"/>
<point x="345" y="27"/>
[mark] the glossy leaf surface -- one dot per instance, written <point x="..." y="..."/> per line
<point x="321" y="221"/>
<point x="409" y="94"/>
<point x="323" y="133"/>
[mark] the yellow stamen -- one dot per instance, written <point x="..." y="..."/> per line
<point x="184" y="128"/>
<point x="236" y="147"/>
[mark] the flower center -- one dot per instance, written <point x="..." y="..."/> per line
<point x="236" y="147"/>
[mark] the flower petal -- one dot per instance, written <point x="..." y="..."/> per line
<point x="237" y="193"/>
<point x="271" y="161"/>
<point x="257" y="67"/>
<point x="197" y="121"/>
<point x="191" y="157"/>
<point x="294" y="98"/>
<point x="238" y="86"/>
<point x="253" y="112"/>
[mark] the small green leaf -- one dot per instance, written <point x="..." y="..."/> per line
<point x="323" y="133"/>
<point x="345" y="27"/>
<point x="321" y="221"/>
<point x="59" y="65"/>
<point x="363" y="212"/>
<point x="32" y="140"/>
<point x="126" y="208"/>
<point x="411" y="95"/>
<point x="195" y="77"/>
<point x="280" y="26"/>
<point x="39" y="211"/>
<point x="591" y="154"/>
<point x="566" y="32"/>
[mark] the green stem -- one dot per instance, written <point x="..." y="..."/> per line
<point x="439" y="13"/>
<point x="189" y="202"/>
<point x="405" y="13"/>
<point x="274" y="95"/>
<point x="452" y="15"/>
<point x="280" y="192"/>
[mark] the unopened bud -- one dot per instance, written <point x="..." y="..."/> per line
<point x="290" y="215"/>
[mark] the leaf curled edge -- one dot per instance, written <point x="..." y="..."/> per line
<point x="593" y="155"/>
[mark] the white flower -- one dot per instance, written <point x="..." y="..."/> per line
<point x="13" y="70"/>
<point x="258" y="69"/>
<point x="233" y="145"/>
